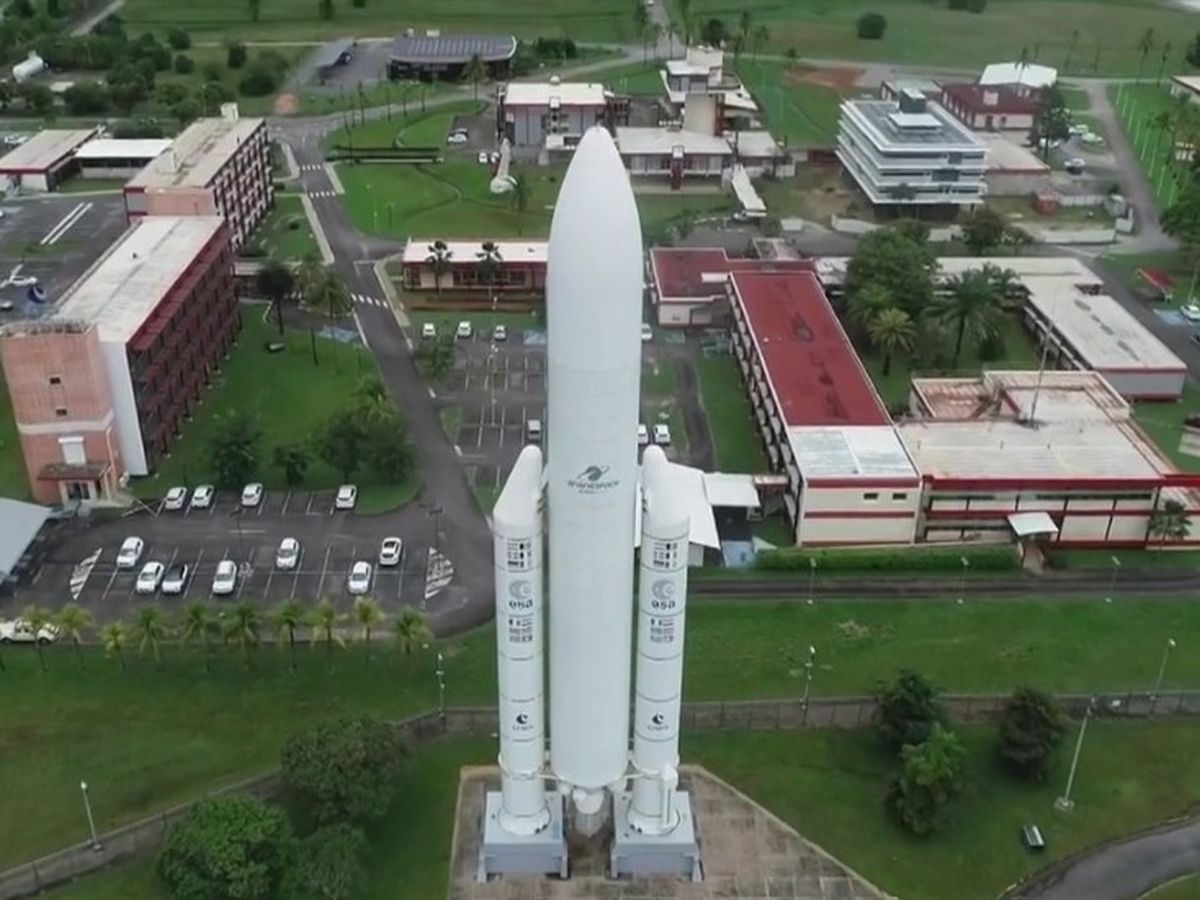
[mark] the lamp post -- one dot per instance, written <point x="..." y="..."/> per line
<point x="1065" y="803"/>
<point x="87" y="806"/>
<point x="812" y="577"/>
<point x="962" y="580"/>
<point x="808" y="676"/>
<point x="1112" y="579"/>
<point x="1162" y="668"/>
<point x="441" y="677"/>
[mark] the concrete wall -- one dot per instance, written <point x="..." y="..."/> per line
<point x="863" y="514"/>
<point x="1152" y="385"/>
<point x="129" y="430"/>
<point x="1071" y="235"/>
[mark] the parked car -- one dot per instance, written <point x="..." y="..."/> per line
<point x="202" y="496"/>
<point x="252" y="495"/>
<point x="1074" y="166"/>
<point x="175" y="498"/>
<point x="1190" y="311"/>
<point x="662" y="434"/>
<point x="457" y="137"/>
<point x="149" y="578"/>
<point x="288" y="554"/>
<point x="500" y="333"/>
<point x="225" y="578"/>
<point x="464" y="329"/>
<point x="391" y="551"/>
<point x="130" y="552"/>
<point x="18" y="631"/>
<point x="428" y="331"/>
<point x="647" y="333"/>
<point x="347" y="496"/>
<point x="175" y="581"/>
<point x="359" y="580"/>
<point x="643" y="435"/>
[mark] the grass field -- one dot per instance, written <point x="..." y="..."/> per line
<point x="1140" y="109"/>
<point x="13" y="482"/>
<point x="289" y="397"/>
<point x="91" y="185"/>
<point x="736" y="444"/>
<point x="230" y="78"/>
<point x="1187" y="888"/>
<point x="1164" y="423"/>
<point x="922" y="32"/>
<point x="285" y="20"/>
<point x="285" y="232"/>
<point x="804" y="114"/>
<point x="630" y="78"/>
<point x="659" y="378"/>
<point x="134" y="736"/>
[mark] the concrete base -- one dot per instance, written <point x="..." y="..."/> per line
<point x="502" y="853"/>
<point x="635" y="854"/>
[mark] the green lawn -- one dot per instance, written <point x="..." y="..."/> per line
<point x="1187" y="888"/>
<point x="804" y="114"/>
<point x="922" y="32"/>
<point x="13" y="483"/>
<point x="1164" y="423"/>
<point x="482" y="322"/>
<point x="451" y="418"/>
<point x="736" y="443"/>
<point x="1138" y="108"/>
<point x="289" y="397"/>
<point x="660" y="212"/>
<point x="630" y="78"/>
<point x="1176" y="263"/>
<point x="658" y="378"/>
<point x="230" y="78"/>
<point x="285" y="232"/>
<point x="486" y="496"/>
<point x="1077" y="100"/>
<point x="416" y="129"/>
<point x="88" y="185"/>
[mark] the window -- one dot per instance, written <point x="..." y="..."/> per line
<point x="56" y="379"/>
<point x="61" y="412"/>
<point x="873" y="495"/>
<point x="900" y="496"/>
<point x="662" y="555"/>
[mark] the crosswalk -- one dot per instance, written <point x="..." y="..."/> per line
<point x="320" y="194"/>
<point x="80" y="574"/>
<point x="364" y="300"/>
<point x="312" y="167"/>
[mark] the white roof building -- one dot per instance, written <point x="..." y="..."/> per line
<point x="1027" y="75"/>
<point x="416" y="251"/>
<point x="122" y="148"/>
<point x="197" y="154"/>
<point x="40" y="162"/>
<point x="552" y="94"/>
<point x="640" y="141"/>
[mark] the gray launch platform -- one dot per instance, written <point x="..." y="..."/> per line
<point x="501" y="853"/>
<point x="634" y="853"/>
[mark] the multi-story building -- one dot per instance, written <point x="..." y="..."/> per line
<point x="216" y="167"/>
<point x="550" y="116"/>
<point x="911" y="153"/>
<point x="702" y="72"/>
<point x="101" y="387"/>
<point x="995" y="108"/>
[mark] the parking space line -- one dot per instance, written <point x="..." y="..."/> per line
<point x="287" y="498"/>
<point x="296" y="574"/>
<point x="324" y="569"/>
<point x="111" y="579"/>
<point x="195" y="572"/>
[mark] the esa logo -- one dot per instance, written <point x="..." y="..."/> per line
<point x="522" y="723"/>
<point x="520" y="596"/>
<point x="662" y="595"/>
<point x="592" y="480"/>
<point x="658" y="724"/>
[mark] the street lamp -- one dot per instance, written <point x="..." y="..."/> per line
<point x="1112" y="579"/>
<point x="962" y="581"/>
<point x="1065" y="803"/>
<point x="96" y="845"/>
<point x="1161" y="671"/>
<point x="441" y="677"/>
<point x="808" y="675"/>
<point x="812" y="577"/>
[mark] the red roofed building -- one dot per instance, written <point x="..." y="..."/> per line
<point x="990" y="108"/>
<point x="690" y="283"/>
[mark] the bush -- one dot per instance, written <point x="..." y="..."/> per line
<point x="358" y="4"/>
<point x="871" y="26"/>
<point x="178" y="39"/>
<point x="235" y="55"/>
<point x="958" y="4"/>
<point x="920" y="796"/>
<point x="258" y="82"/>
<point x="908" y="710"/>
<point x="1031" y="728"/>
<point x="991" y="348"/>
<point x="908" y="559"/>
<point x="976" y="6"/>
<point x="184" y="64"/>
<point x="330" y="863"/>
<point x="86" y="98"/>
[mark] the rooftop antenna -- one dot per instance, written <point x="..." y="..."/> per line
<point x="1037" y="389"/>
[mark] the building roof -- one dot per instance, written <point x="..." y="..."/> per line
<point x="998" y="99"/>
<point x="330" y="53"/>
<point x="731" y="490"/>
<point x="123" y="148"/>
<point x="124" y="286"/>
<point x="926" y="86"/>
<point x="1189" y="82"/>
<point x="655" y="141"/>
<point x="435" y="49"/>
<point x="417" y="250"/>
<point x="890" y="129"/>
<point x="196" y="155"/>
<point x="743" y="188"/>
<point x="812" y="368"/>
<point x="698" y="61"/>
<point x="566" y="93"/>
<point x="832" y="269"/>
<point x="756" y="144"/>
<point x="44" y="150"/>
<point x="1029" y="75"/>
<point x="858" y="451"/>
<point x="1062" y="396"/>
<point x="1006" y="154"/>
<point x="19" y="525"/>
<point x="682" y="273"/>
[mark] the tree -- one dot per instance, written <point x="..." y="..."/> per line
<point x="897" y="260"/>
<point x="892" y="331"/>
<point x="128" y="94"/>
<point x="489" y="263"/>
<point x="871" y="26"/>
<point x="289" y="616"/>
<point x="1031" y="728"/>
<point x="1169" y="522"/>
<point x="367" y="615"/>
<point x="439" y="262"/>
<point x="341" y="442"/>
<point x="327" y="293"/>
<point x="86" y="98"/>
<point x="275" y="282"/>
<point x="714" y="33"/>
<point x="410" y="631"/>
<point x="474" y="72"/>
<point x="330" y="866"/>
<point x="1071" y="50"/>
<point x="438" y="355"/>
<point x="178" y="39"/>
<point x="371" y="396"/>
<point x="1181" y="220"/>
<point x="114" y="635"/>
<point x="985" y="229"/>
<point x="184" y="64"/>
<point x="325" y="9"/>
<point x="235" y="54"/>
<point x="72" y="621"/>
<point x="908" y="709"/>
<point x="932" y="777"/>
<point x="37" y="618"/>
<point x="1051" y="120"/>
<point x="865" y="305"/>
<point x="969" y="308"/>
<point x="292" y="458"/>
<point x="520" y="196"/>
<point x="243" y="627"/>
<point x="343" y="771"/>
<point x="7" y="94"/>
<point x="255" y="9"/>
<point x="235" y="449"/>
<point x="36" y="96"/>
<point x="324" y="619"/>
<point x="1145" y="44"/>
<point x="150" y="630"/>
<point x="259" y="81"/>
<point x="228" y="848"/>
<point x="386" y="445"/>
<point x="198" y="625"/>
<point x="1192" y="56"/>
<point x="1162" y="64"/>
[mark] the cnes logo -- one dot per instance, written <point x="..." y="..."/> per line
<point x="592" y="480"/>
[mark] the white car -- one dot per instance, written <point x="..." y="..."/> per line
<point x="347" y="496"/>
<point x="22" y="281"/>
<point x="483" y="158"/>
<point x="647" y="333"/>
<point x="130" y="552"/>
<point x="149" y="578"/>
<point x="1190" y="311"/>
<point x="428" y="331"/>
<point x="464" y="329"/>
<point x="500" y="333"/>
<point x="662" y="434"/>
<point x="359" y="580"/>
<point x="176" y="579"/>
<point x="1074" y="166"/>
<point x="175" y="498"/>
<point x="252" y="494"/>
<point x="391" y="551"/>
<point x="288" y="554"/>
<point x="18" y="632"/>
<point x="202" y="496"/>
<point x="643" y="435"/>
<point x="225" y="578"/>
<point x="457" y="137"/>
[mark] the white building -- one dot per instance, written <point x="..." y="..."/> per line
<point x="43" y="161"/>
<point x="1023" y="77"/>
<point x="702" y="73"/>
<point x="911" y="153"/>
<point x="118" y="157"/>
<point x="551" y="115"/>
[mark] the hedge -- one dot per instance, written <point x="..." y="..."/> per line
<point x="907" y="559"/>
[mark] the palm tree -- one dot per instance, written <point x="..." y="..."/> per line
<point x="115" y="637"/>
<point x="866" y="304"/>
<point x="473" y="72"/>
<point x="367" y="614"/>
<point x="255" y="7"/>
<point x="37" y="618"/>
<point x="671" y="32"/>
<point x="489" y="263"/>
<point x="892" y="331"/>
<point x="969" y="307"/>
<point x="309" y="275"/>
<point x="1071" y="50"/>
<point x="243" y="626"/>
<point x="289" y="616"/>
<point x="324" y="618"/>
<point x="276" y="283"/>
<point x="411" y="632"/>
<point x="685" y="18"/>
<point x="439" y="262"/>
<point x="1144" y="45"/>
<point x="1169" y="522"/>
<point x="199" y="625"/>
<point x="73" y="620"/>
<point x="150" y="630"/>
<point x="1162" y="63"/>
<point x="330" y="294"/>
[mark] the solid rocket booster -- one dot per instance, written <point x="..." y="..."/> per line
<point x="593" y="308"/>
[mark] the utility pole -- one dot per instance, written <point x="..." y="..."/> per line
<point x="812" y="577"/>
<point x="1112" y="579"/>
<point x="808" y="676"/>
<point x="87" y="805"/>
<point x="1065" y="803"/>
<point x="962" y="582"/>
<point x="1161" y="671"/>
<point x="441" y="678"/>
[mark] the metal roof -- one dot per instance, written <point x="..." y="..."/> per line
<point x="1029" y="75"/>
<point x="197" y="154"/>
<point x="731" y="490"/>
<point x="19" y="525"/>
<point x="889" y="129"/>
<point x="431" y="49"/>
<point x="567" y="93"/>
<point x="44" y="150"/>
<point x="651" y="141"/>
<point x="123" y="148"/>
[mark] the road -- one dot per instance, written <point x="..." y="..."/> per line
<point x="88" y="22"/>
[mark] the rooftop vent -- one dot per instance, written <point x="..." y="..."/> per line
<point x="912" y="101"/>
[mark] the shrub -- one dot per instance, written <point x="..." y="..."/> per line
<point x="358" y="4"/>
<point x="179" y="39"/>
<point x="920" y="796"/>
<point x="958" y="4"/>
<point x="258" y="82"/>
<point x="235" y="55"/>
<point x="908" y="709"/>
<point x="184" y="64"/>
<point x="976" y="6"/>
<point x="1031" y="728"/>
<point x="871" y="26"/>
<point x="909" y="559"/>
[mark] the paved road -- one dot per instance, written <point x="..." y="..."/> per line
<point x="1124" y="870"/>
<point x="92" y="19"/>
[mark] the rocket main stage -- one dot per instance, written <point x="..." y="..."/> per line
<point x="582" y="500"/>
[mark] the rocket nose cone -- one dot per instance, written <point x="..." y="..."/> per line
<point x="595" y="205"/>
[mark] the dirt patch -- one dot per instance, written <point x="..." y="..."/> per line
<point x="854" y="629"/>
<point x="843" y="79"/>
<point x="286" y="104"/>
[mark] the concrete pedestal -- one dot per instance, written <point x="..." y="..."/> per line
<point x="635" y="854"/>
<point x="502" y="853"/>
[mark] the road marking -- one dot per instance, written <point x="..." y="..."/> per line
<point x="64" y="224"/>
<point x="321" y="195"/>
<point x="367" y="300"/>
<point x="458" y="449"/>
<point x="296" y="576"/>
<point x="195" y="573"/>
<point x="324" y="569"/>
<point x="108" y="586"/>
<point x="81" y="573"/>
<point x="312" y="167"/>
<point x="432" y="395"/>
<point x="308" y="507"/>
<point x="408" y="342"/>
<point x="287" y="498"/>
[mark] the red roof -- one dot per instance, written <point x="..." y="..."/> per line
<point x="1156" y="278"/>
<point x="680" y="271"/>
<point x="810" y="363"/>
<point x="971" y="98"/>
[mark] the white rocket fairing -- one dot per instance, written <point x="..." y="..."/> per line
<point x="593" y="308"/>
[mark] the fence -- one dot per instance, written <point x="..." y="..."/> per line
<point x="786" y="714"/>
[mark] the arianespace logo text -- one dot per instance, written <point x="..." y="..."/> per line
<point x="592" y="480"/>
